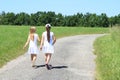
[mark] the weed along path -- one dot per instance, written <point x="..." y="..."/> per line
<point x="73" y="60"/>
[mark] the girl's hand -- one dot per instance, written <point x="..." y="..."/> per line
<point x="40" y="47"/>
<point x="24" y="47"/>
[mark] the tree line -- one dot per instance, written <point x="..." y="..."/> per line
<point x="41" y="18"/>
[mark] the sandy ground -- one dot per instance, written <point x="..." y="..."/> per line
<point x="73" y="60"/>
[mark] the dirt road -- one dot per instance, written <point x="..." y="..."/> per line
<point x="73" y="60"/>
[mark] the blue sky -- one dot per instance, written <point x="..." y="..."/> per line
<point x="66" y="7"/>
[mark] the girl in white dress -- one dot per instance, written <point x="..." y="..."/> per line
<point x="47" y="42"/>
<point x="32" y="40"/>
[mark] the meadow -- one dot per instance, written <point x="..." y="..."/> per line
<point x="13" y="38"/>
<point x="107" y="49"/>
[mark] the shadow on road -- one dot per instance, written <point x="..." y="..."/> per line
<point x="38" y="66"/>
<point x="53" y="67"/>
<point x="59" y="67"/>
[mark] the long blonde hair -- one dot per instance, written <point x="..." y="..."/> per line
<point x="31" y="33"/>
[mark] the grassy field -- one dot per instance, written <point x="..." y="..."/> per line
<point x="107" y="49"/>
<point x="13" y="38"/>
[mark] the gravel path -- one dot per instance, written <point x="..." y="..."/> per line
<point x="73" y="60"/>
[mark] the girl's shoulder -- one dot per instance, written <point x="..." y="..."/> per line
<point x="44" y="32"/>
<point x="35" y="34"/>
<point x="51" y="33"/>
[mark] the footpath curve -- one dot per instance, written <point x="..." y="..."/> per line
<point x="73" y="60"/>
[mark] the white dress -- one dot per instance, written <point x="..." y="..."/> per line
<point x="33" y="48"/>
<point x="47" y="46"/>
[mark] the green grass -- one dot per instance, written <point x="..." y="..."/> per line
<point x="107" y="49"/>
<point x="13" y="38"/>
<point x="70" y="31"/>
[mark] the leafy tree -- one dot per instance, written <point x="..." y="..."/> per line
<point x="2" y="15"/>
<point x="51" y="18"/>
<point x="86" y="19"/>
<point x="10" y="18"/>
<point x="112" y="21"/>
<point x="41" y="18"/>
<point x="7" y="18"/>
<point x="22" y="19"/>
<point x="59" y="21"/>
<point x="118" y="19"/>
<point x="33" y="19"/>
<point x="80" y="19"/>
<point x="104" y="20"/>
<point x="93" y="20"/>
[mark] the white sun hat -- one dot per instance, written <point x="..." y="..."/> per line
<point x="48" y="25"/>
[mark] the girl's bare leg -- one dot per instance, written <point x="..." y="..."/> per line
<point x="47" y="58"/>
<point x="33" y="59"/>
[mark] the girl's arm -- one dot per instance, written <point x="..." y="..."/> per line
<point x="41" y="44"/>
<point x="28" y="40"/>
<point x="38" y="39"/>
<point x="54" y="39"/>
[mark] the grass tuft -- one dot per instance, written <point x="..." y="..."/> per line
<point x="107" y="49"/>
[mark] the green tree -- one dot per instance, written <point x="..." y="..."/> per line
<point x="86" y="19"/>
<point x="118" y="19"/>
<point x="51" y="17"/>
<point x="104" y="20"/>
<point x="8" y="18"/>
<point x="2" y="15"/>
<point x="93" y="20"/>
<point x="59" y="21"/>
<point x="22" y="19"/>
<point x="112" y="21"/>
<point x="80" y="19"/>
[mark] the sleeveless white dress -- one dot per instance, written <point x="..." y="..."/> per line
<point x="33" y="48"/>
<point x="47" y="46"/>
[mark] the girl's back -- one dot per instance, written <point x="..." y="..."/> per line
<point x="34" y="38"/>
<point x="45" y="38"/>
